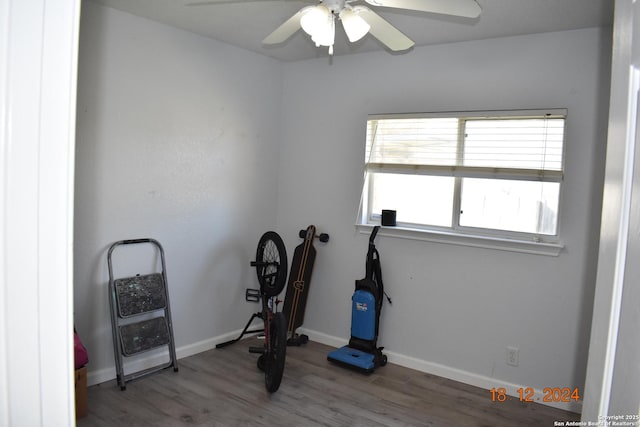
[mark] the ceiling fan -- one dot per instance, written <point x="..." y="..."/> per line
<point x="319" y="21"/>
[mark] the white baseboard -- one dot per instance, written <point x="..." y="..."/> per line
<point x="448" y="372"/>
<point x="487" y="383"/>
<point x="139" y="363"/>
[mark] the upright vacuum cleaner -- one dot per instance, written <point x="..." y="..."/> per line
<point x="363" y="353"/>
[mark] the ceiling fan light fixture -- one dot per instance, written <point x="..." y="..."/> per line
<point x="354" y="25"/>
<point x="314" y="19"/>
<point x="319" y="22"/>
<point x="326" y="35"/>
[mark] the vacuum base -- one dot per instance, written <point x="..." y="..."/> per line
<point x="352" y="358"/>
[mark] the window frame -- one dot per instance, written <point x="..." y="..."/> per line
<point x="544" y="244"/>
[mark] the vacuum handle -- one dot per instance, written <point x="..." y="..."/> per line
<point x="373" y="234"/>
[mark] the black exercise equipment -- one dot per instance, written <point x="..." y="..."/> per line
<point x="271" y="269"/>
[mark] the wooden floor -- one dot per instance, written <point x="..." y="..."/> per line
<point x="225" y="388"/>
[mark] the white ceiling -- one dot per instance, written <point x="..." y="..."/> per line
<point x="244" y="23"/>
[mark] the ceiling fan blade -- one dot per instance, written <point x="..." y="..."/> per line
<point x="389" y="35"/>
<point x="286" y="30"/>
<point x="465" y="8"/>
<point x="211" y="2"/>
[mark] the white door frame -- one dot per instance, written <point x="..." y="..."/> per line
<point x="612" y="385"/>
<point x="38" y="75"/>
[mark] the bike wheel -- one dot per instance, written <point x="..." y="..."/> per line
<point x="276" y="353"/>
<point x="271" y="264"/>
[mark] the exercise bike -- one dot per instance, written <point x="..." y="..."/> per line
<point x="271" y="268"/>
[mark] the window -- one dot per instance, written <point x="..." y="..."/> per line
<point x="482" y="174"/>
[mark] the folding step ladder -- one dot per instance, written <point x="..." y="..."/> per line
<point x="140" y="315"/>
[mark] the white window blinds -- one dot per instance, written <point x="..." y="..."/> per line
<point x="526" y="147"/>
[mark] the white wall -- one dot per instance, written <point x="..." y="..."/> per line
<point x="455" y="309"/>
<point x="177" y="139"/>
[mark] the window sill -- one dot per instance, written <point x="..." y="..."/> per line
<point x="487" y="242"/>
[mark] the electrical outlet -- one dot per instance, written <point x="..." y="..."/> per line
<point x="513" y="354"/>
